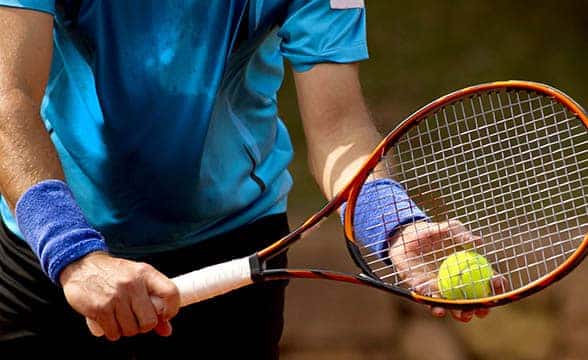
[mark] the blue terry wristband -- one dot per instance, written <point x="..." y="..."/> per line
<point x="382" y="207"/>
<point x="54" y="226"/>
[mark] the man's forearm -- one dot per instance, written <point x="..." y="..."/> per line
<point x="28" y="155"/>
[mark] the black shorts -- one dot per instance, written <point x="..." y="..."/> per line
<point x="35" y="318"/>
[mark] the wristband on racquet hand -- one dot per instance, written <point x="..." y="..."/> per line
<point x="54" y="226"/>
<point x="382" y="207"/>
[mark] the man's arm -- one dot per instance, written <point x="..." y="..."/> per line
<point x="28" y="156"/>
<point x="114" y="292"/>
<point x="339" y="132"/>
<point x="340" y="136"/>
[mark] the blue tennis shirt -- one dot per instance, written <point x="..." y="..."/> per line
<point x="164" y="112"/>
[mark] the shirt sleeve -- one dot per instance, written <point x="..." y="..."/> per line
<point x="316" y="31"/>
<point x="47" y="6"/>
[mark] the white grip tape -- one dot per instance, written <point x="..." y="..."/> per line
<point x="202" y="284"/>
<point x="214" y="280"/>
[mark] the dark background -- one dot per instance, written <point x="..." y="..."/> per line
<point x="419" y="51"/>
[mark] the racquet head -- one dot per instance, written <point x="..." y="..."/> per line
<point x="501" y="170"/>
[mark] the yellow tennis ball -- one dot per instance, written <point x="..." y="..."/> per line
<point x="465" y="275"/>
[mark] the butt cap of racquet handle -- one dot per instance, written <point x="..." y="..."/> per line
<point x="201" y="285"/>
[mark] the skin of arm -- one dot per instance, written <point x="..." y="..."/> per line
<point x="340" y="136"/>
<point x="112" y="291"/>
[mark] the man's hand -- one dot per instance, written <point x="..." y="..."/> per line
<point x="116" y="294"/>
<point x="411" y="252"/>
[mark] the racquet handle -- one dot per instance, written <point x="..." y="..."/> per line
<point x="201" y="285"/>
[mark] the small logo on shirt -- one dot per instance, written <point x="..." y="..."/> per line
<point x="347" y="4"/>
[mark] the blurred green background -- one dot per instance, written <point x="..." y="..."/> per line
<point x="419" y="51"/>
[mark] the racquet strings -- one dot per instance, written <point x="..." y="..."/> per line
<point x="509" y="166"/>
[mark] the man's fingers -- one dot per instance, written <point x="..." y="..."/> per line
<point x="432" y="290"/>
<point x="144" y="310"/>
<point x="462" y="236"/>
<point x="424" y="284"/>
<point x="482" y="312"/>
<point x="126" y="319"/>
<point x="499" y="284"/>
<point x="163" y="288"/>
<point x="469" y="241"/>
<point x="110" y="326"/>
<point x="437" y="311"/>
<point x="462" y="315"/>
<point x="163" y="328"/>
<point x="425" y="237"/>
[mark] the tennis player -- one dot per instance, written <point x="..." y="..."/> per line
<point x="140" y="140"/>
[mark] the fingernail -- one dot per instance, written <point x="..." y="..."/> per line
<point x="438" y="312"/>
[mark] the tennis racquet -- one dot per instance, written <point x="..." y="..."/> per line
<point x="501" y="170"/>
